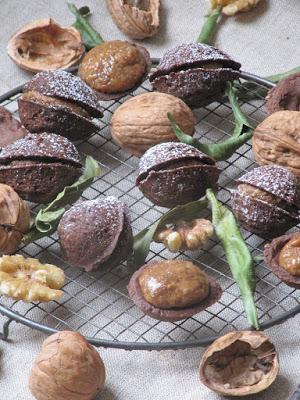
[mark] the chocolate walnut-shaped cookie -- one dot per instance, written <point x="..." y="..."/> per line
<point x="59" y="102"/>
<point x="195" y="72"/>
<point x="38" y="167"/>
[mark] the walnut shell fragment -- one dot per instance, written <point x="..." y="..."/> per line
<point x="239" y="364"/>
<point x="138" y="19"/>
<point x="28" y="280"/>
<point x="43" y="44"/>
<point x="14" y="219"/>
<point x="67" y="368"/>
<point x="276" y="140"/>
<point x="142" y="122"/>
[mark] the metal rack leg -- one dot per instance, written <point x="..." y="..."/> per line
<point x="5" y="330"/>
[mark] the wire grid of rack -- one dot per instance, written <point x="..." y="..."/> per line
<point x="97" y="304"/>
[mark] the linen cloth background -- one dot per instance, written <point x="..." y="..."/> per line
<point x="265" y="41"/>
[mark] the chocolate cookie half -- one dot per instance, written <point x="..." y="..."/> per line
<point x="172" y="290"/>
<point x="59" y="102"/>
<point x="285" y="95"/>
<point x="195" y="72"/>
<point x="267" y="200"/>
<point x="96" y="233"/>
<point x="38" y="167"/>
<point x="175" y="173"/>
<point x="282" y="255"/>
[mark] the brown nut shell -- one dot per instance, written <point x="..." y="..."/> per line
<point x="39" y="117"/>
<point x="39" y="166"/>
<point x="171" y="314"/>
<point x="137" y="19"/>
<point x="276" y="140"/>
<point x="43" y="44"/>
<point x="67" y="368"/>
<point x="175" y="173"/>
<point x="239" y="364"/>
<point x="271" y="257"/>
<point x="115" y="68"/>
<point x="285" y="95"/>
<point x="14" y="219"/>
<point x="10" y="128"/>
<point x="141" y="122"/>
<point x="96" y="234"/>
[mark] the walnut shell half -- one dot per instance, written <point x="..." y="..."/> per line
<point x="67" y="368"/>
<point x="43" y="44"/>
<point x="239" y="364"/>
<point x="138" y="19"/>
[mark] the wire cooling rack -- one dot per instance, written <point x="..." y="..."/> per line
<point x="97" y="304"/>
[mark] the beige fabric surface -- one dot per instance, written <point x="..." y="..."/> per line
<point x="265" y="41"/>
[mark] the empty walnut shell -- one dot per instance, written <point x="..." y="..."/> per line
<point x="14" y="219"/>
<point x="59" y="102"/>
<point x="272" y="259"/>
<point x="138" y="19"/>
<point x="38" y="167"/>
<point x="96" y="233"/>
<point x="276" y="140"/>
<point x="115" y="68"/>
<point x="267" y="200"/>
<point x="43" y="44"/>
<point x="172" y="290"/>
<point x="285" y="95"/>
<point x="173" y="173"/>
<point x="195" y="72"/>
<point x="10" y="128"/>
<point x="142" y="122"/>
<point x="67" y="368"/>
<point x="239" y="364"/>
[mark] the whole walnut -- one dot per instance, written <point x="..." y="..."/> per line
<point x="67" y="368"/>
<point x="142" y="122"/>
<point x="277" y="140"/>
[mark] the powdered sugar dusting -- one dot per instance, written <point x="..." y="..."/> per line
<point x="42" y="145"/>
<point x="191" y="54"/>
<point x="89" y="231"/>
<point x="170" y="151"/>
<point x="63" y="84"/>
<point x="277" y="180"/>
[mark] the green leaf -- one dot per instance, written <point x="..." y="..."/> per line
<point x="48" y="217"/>
<point x="143" y="239"/>
<point x="237" y="254"/>
<point x="223" y="150"/>
<point x="210" y="26"/>
<point x="91" y="38"/>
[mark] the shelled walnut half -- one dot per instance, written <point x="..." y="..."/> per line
<point x="138" y="19"/>
<point x="28" y="280"/>
<point x="185" y="235"/>
<point x="231" y="7"/>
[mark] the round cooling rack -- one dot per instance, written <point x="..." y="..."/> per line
<point x="97" y="304"/>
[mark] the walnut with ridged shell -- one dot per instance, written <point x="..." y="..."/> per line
<point x="14" y="219"/>
<point x="185" y="235"/>
<point x="29" y="280"/>
<point x="142" y="122"/>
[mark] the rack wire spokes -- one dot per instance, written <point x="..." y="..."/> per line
<point x="97" y="304"/>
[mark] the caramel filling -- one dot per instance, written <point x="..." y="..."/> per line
<point x="289" y="256"/>
<point x="174" y="284"/>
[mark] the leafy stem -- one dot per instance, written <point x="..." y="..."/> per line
<point x="210" y="26"/>
<point x="91" y="38"/>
